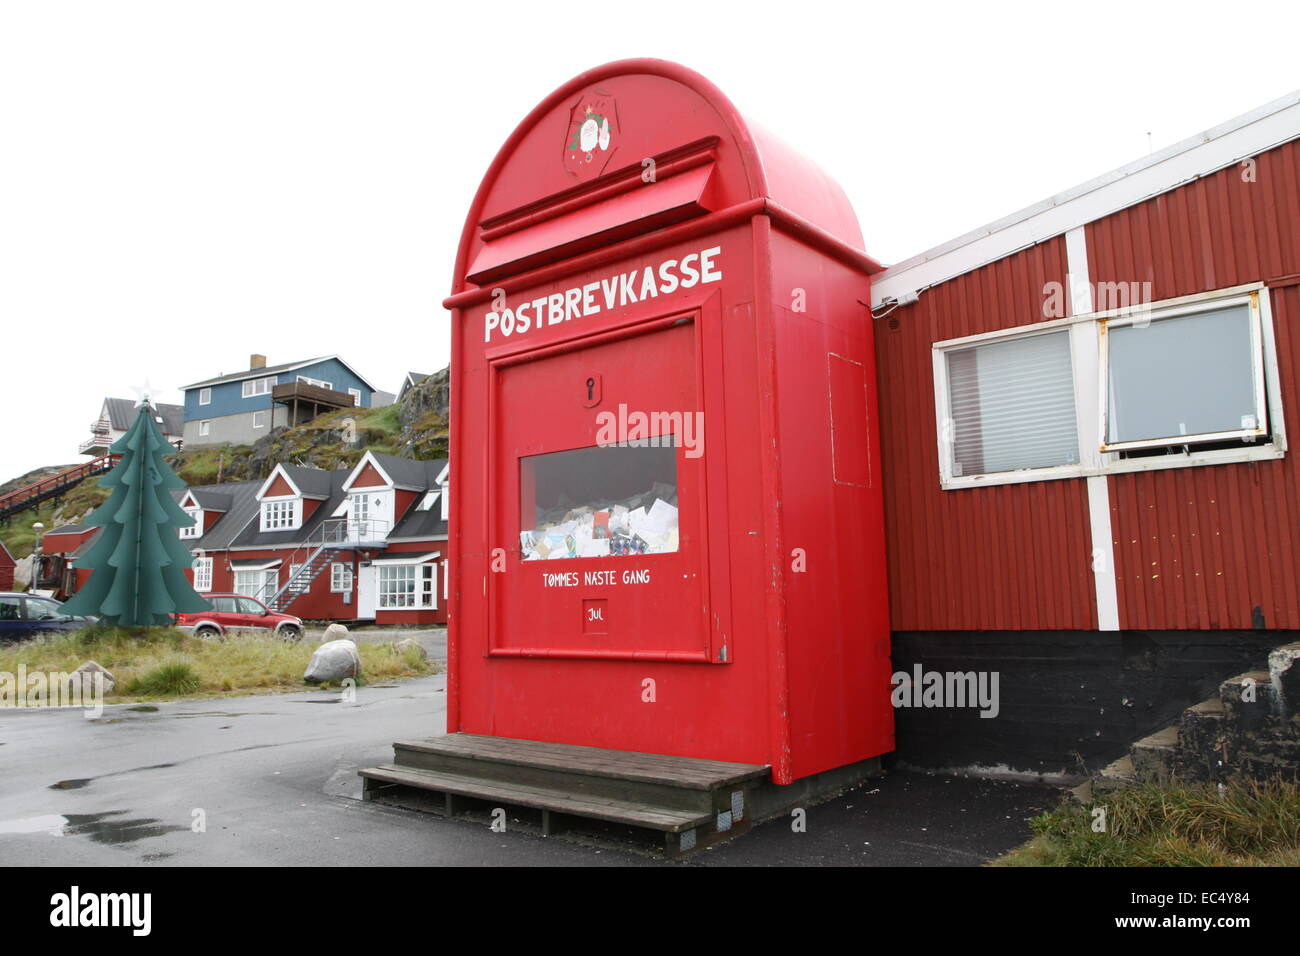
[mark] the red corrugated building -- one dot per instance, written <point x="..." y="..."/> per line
<point x="1083" y="416"/>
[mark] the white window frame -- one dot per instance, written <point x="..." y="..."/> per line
<point x="424" y="592"/>
<point x="281" y="514"/>
<point x="195" y="530"/>
<point x="340" y="577"/>
<point x="205" y="428"/>
<point x="1087" y="361"/>
<point x="205" y="396"/>
<point x="1253" y="302"/>
<point x="318" y="382"/>
<point x="270" y="582"/>
<point x="202" y="574"/>
<point x="356" y="394"/>
<point x="259" y="419"/>
<point x="253" y="387"/>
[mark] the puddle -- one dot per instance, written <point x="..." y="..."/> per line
<point x="99" y="827"/>
<point x="71" y="784"/>
<point x="115" y="832"/>
<point x="144" y="709"/>
<point x="336" y="701"/>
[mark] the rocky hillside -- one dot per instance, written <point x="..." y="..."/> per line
<point x="416" y="427"/>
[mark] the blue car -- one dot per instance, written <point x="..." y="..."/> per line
<point x="27" y="615"/>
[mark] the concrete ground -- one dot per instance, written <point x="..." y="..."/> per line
<point x="273" y="781"/>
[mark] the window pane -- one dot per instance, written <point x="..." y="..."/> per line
<point x="1189" y="375"/>
<point x="1012" y="405"/>
<point x="598" y="502"/>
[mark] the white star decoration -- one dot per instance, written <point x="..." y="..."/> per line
<point x="143" y="394"/>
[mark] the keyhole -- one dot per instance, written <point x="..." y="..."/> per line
<point x="591" y="388"/>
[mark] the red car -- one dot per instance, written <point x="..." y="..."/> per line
<point x="234" y="614"/>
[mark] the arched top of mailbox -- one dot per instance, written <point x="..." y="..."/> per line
<point x="630" y="148"/>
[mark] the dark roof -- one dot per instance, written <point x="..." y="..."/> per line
<point x="122" y="413"/>
<point x="68" y="529"/>
<point x="210" y="500"/>
<point x="238" y="527"/>
<point x="414" y="557"/>
<point x="409" y="472"/>
<point x="312" y="482"/>
<point x="251" y="535"/>
<point x="271" y="370"/>
<point x="422" y="524"/>
<point x="241" y="508"/>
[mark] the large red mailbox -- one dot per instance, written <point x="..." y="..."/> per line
<point x="666" y="532"/>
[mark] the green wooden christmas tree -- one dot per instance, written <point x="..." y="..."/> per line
<point x="138" y="562"/>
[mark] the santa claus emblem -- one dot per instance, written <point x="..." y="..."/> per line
<point x="592" y="136"/>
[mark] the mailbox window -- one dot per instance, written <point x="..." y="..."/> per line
<point x="599" y="502"/>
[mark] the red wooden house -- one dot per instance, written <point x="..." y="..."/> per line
<point x="365" y="544"/>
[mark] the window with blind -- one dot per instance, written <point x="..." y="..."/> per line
<point x="1011" y="405"/>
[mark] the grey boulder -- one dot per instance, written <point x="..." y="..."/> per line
<point x="332" y="662"/>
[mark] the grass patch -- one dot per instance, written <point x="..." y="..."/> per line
<point x="1246" y="823"/>
<point x="167" y="663"/>
<point x="172" y="679"/>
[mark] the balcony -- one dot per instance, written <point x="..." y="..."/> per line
<point x="305" y="401"/>
<point x="98" y="442"/>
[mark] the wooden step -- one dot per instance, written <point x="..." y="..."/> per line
<point x="664" y="819"/>
<point x="682" y="783"/>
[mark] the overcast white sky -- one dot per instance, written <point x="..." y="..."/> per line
<point x="184" y="183"/>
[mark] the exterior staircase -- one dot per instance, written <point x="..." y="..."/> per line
<point x="316" y="553"/>
<point x="681" y="802"/>
<point x="1250" y="728"/>
<point x="53" y="486"/>
<point x="301" y="581"/>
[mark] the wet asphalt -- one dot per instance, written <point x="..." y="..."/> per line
<point x="272" y="780"/>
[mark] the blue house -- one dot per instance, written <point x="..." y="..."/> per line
<point x="244" y="406"/>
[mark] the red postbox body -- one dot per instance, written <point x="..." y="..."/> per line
<point x="666" y="530"/>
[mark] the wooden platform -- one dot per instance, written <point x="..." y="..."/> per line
<point x="687" y="803"/>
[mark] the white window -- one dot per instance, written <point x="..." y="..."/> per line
<point x="340" y="577"/>
<point x="407" y="586"/>
<point x="319" y="383"/>
<point x="203" y="574"/>
<point x="356" y="396"/>
<point x="293" y="570"/>
<point x="1183" y="382"/>
<point x="1184" y="376"/>
<point x="205" y="429"/>
<point x="280" y="515"/>
<point x="258" y="386"/>
<point x="257" y="584"/>
<point x="195" y="530"/>
<point x="446" y="503"/>
<point x="205" y="396"/>
<point x="1011" y="405"/>
<point x="259" y="419"/>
